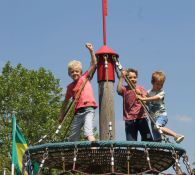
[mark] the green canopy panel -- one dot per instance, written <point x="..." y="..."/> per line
<point x="101" y="157"/>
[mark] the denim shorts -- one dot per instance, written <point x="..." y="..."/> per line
<point x="160" y="121"/>
<point x="83" y="118"/>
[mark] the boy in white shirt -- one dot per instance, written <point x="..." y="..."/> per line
<point x="156" y="105"/>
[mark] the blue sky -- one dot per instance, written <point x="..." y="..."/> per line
<point x="148" y="35"/>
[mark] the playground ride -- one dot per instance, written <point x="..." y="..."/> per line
<point x="106" y="156"/>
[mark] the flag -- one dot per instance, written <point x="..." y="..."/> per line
<point x="19" y="146"/>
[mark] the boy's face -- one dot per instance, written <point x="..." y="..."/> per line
<point x="133" y="77"/>
<point x="157" y="86"/>
<point x="75" y="73"/>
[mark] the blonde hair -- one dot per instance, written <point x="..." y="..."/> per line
<point x="74" y="63"/>
<point x="158" y="76"/>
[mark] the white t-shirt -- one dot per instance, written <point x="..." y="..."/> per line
<point x="157" y="108"/>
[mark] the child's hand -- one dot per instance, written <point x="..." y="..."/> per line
<point x="89" y="46"/>
<point x="123" y="73"/>
<point x="138" y="92"/>
<point x="139" y="97"/>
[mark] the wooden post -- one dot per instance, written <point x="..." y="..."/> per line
<point x="106" y="78"/>
<point x="106" y="109"/>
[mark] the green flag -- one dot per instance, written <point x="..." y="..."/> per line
<point x="19" y="146"/>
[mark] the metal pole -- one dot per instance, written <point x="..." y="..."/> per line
<point x="4" y="171"/>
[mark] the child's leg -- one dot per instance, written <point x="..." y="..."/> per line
<point x="91" y="138"/>
<point x="167" y="131"/>
<point x="177" y="137"/>
<point x="75" y="128"/>
<point x="160" y="122"/>
<point x="131" y="130"/>
<point x="144" y="130"/>
<point x="88" y="124"/>
<point x="156" y="134"/>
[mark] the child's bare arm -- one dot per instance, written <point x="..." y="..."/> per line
<point x="120" y="83"/>
<point x="153" y="98"/>
<point x="93" y="57"/>
<point x="62" y="111"/>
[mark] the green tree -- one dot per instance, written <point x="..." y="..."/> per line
<point x="35" y="96"/>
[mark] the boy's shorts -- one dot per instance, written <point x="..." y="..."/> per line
<point x="83" y="118"/>
<point x="161" y="121"/>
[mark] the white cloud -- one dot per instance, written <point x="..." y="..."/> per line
<point x="184" y="118"/>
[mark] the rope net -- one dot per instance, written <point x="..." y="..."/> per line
<point x="102" y="157"/>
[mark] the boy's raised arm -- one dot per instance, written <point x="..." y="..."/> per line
<point x="93" y="57"/>
<point x="120" y="83"/>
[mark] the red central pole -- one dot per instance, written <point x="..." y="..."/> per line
<point x="104" y="14"/>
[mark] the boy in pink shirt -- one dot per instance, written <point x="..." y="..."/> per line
<point x="86" y="104"/>
<point x="133" y="112"/>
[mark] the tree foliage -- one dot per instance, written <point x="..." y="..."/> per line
<point x="35" y="97"/>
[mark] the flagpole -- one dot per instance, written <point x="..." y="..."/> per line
<point x="4" y="171"/>
<point x="104" y="14"/>
<point x="13" y="141"/>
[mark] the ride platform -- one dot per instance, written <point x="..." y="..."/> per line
<point x="106" y="157"/>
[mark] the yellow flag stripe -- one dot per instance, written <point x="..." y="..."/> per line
<point x="20" y="152"/>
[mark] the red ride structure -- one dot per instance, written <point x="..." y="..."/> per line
<point x="106" y="78"/>
<point x="105" y="67"/>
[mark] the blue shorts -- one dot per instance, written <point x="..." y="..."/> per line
<point x="160" y="121"/>
<point x="83" y="118"/>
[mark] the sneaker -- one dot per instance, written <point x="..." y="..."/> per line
<point x="179" y="138"/>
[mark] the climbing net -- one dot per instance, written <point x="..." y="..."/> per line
<point x="108" y="157"/>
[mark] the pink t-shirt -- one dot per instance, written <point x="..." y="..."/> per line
<point x="132" y="109"/>
<point x="86" y="98"/>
